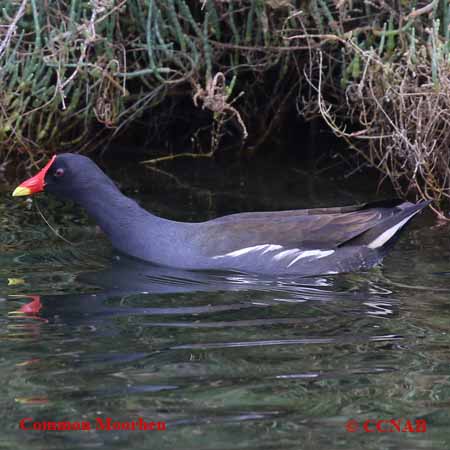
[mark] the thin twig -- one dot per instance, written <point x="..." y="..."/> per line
<point x="57" y="234"/>
<point x="12" y="26"/>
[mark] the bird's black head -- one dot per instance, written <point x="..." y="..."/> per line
<point x="67" y="176"/>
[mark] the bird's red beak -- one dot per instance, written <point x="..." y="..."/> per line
<point x="34" y="184"/>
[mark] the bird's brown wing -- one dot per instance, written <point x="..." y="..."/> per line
<point x="302" y="229"/>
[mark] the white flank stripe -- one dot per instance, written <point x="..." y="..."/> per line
<point x="385" y="236"/>
<point x="271" y="248"/>
<point x="317" y="254"/>
<point x="282" y="255"/>
<point x="244" y="251"/>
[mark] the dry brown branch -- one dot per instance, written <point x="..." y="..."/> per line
<point x="404" y="118"/>
<point x="215" y="98"/>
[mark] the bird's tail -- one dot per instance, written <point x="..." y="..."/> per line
<point x="386" y="232"/>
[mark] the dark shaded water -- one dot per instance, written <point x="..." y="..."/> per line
<point x="224" y="360"/>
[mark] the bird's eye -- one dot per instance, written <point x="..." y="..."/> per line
<point x="59" y="172"/>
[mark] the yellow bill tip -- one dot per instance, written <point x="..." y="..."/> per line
<point x="20" y="191"/>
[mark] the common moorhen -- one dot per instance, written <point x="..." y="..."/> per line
<point x="302" y="242"/>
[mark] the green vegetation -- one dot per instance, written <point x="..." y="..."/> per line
<point x="76" y="74"/>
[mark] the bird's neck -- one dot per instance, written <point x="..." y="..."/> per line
<point x="119" y="217"/>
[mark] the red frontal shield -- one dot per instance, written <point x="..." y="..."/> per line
<point x="34" y="184"/>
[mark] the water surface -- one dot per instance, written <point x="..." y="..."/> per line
<point x="225" y="360"/>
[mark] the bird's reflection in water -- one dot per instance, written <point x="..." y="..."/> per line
<point x="132" y="287"/>
<point x="141" y="331"/>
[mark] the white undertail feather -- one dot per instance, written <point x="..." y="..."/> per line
<point x="389" y="233"/>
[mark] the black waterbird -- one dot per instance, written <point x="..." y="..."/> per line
<point x="301" y="242"/>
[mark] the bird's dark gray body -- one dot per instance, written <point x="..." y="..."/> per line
<point x="301" y="242"/>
